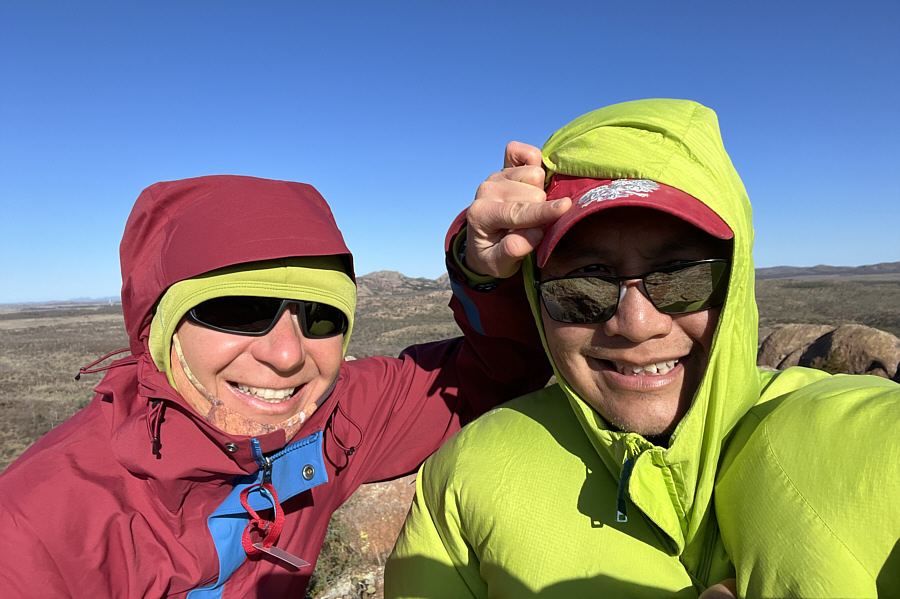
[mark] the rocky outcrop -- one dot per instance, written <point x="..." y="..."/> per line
<point x="371" y="520"/>
<point x="374" y="516"/>
<point x="392" y="283"/>
<point x="849" y="348"/>
<point x="783" y="347"/>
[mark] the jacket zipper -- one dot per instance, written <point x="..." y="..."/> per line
<point x="266" y="463"/>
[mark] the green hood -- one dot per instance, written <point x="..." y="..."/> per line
<point x="678" y="143"/>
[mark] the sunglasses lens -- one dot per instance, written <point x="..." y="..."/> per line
<point x="580" y="300"/>
<point x="592" y="299"/>
<point x="323" y="320"/>
<point x="690" y="289"/>
<point x="238" y="314"/>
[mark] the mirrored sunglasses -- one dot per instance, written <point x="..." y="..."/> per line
<point x="677" y="289"/>
<point x="256" y="316"/>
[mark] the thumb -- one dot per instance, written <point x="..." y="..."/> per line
<point x="521" y="154"/>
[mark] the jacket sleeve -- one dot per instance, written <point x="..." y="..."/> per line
<point x="502" y="356"/>
<point x="404" y="408"/>
<point x="810" y="505"/>
<point x="28" y="569"/>
<point x="431" y="558"/>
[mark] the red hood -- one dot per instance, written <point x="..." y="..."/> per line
<point x="180" y="229"/>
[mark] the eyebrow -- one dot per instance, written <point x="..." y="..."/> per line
<point x="673" y="246"/>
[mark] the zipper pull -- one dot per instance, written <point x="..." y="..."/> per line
<point x="267" y="471"/>
<point x="270" y="531"/>
<point x="282" y="555"/>
<point x="264" y="462"/>
<point x="621" y="511"/>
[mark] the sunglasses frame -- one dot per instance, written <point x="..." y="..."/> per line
<point x="301" y="313"/>
<point x="618" y="280"/>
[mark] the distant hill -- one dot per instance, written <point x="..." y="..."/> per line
<point x="788" y="272"/>
<point x="389" y="282"/>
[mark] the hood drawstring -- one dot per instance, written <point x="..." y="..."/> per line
<point x="348" y="451"/>
<point x="155" y="418"/>
<point x="90" y="367"/>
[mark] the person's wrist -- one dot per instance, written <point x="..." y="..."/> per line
<point x="475" y="280"/>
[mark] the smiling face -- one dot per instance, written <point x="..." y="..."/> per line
<point x="641" y="368"/>
<point x="268" y="380"/>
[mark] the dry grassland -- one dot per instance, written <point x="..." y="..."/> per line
<point x="43" y="346"/>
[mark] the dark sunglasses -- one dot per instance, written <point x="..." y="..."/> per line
<point x="677" y="289"/>
<point x="256" y="316"/>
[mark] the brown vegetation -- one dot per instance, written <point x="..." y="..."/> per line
<point x="43" y="346"/>
<point x="869" y="300"/>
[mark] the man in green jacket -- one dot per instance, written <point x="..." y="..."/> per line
<point x="664" y="461"/>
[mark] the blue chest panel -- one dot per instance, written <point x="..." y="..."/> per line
<point x="297" y="468"/>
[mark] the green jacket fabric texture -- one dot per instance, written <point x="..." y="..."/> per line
<point x="540" y="497"/>
<point x="808" y="494"/>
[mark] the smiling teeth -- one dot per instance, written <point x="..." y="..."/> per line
<point x="267" y="395"/>
<point x="658" y="368"/>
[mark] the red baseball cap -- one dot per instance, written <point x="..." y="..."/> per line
<point x="593" y="195"/>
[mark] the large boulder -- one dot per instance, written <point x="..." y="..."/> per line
<point x="850" y="349"/>
<point x="362" y="534"/>
<point x="855" y="349"/>
<point x="784" y="346"/>
<point x="375" y="515"/>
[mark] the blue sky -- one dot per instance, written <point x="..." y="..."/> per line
<point x="396" y="111"/>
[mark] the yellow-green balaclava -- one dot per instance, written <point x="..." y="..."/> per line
<point x="315" y="278"/>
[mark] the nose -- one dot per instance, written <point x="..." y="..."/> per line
<point x="283" y="347"/>
<point x="636" y="318"/>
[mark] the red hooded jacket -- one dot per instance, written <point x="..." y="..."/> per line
<point x="138" y="496"/>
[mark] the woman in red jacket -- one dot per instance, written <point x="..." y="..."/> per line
<point x="210" y="460"/>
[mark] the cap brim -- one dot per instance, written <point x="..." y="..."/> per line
<point x="590" y="196"/>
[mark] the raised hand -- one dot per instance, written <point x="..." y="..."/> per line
<point x="507" y="218"/>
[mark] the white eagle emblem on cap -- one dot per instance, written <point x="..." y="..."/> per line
<point x="619" y="188"/>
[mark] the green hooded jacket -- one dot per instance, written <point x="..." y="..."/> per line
<point x="540" y="497"/>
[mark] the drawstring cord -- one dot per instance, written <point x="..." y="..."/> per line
<point x="89" y="369"/>
<point x="348" y="451"/>
<point x="155" y="418"/>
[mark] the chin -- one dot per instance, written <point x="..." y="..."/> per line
<point x="640" y="424"/>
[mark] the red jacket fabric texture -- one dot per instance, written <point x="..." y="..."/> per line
<point x="138" y="496"/>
